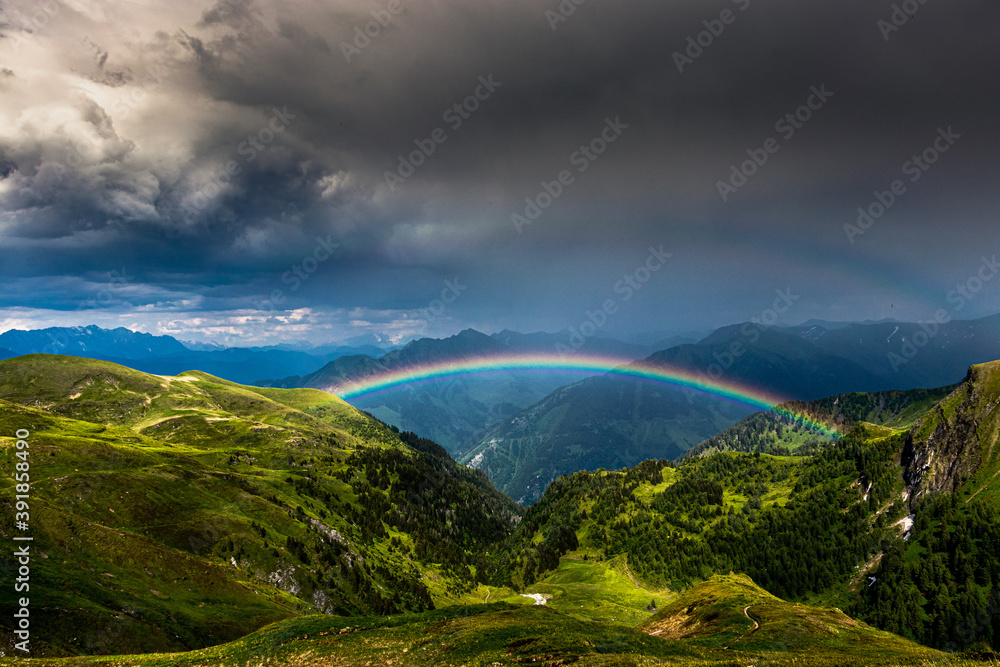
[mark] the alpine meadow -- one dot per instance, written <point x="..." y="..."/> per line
<point x="490" y="333"/>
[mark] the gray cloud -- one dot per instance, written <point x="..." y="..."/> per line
<point x="209" y="145"/>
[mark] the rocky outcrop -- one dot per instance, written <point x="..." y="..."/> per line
<point x="958" y="436"/>
<point x="284" y="578"/>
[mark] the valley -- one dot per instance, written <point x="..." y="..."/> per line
<point x="274" y="505"/>
<point x="496" y="333"/>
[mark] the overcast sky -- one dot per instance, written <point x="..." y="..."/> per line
<point x="218" y="171"/>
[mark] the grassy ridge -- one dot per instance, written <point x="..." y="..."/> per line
<point x="194" y="513"/>
<point x="916" y="511"/>
<point x="731" y="612"/>
<point x="773" y="433"/>
<point x="714" y="629"/>
<point x="940" y="582"/>
<point x="592" y="590"/>
<point x="175" y="513"/>
<point x="113" y="515"/>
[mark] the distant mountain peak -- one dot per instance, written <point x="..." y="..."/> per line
<point x="469" y="334"/>
<point x="91" y="340"/>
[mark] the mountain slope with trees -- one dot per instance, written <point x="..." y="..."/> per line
<point x="784" y="430"/>
<point x="188" y="512"/>
<point x="170" y="513"/>
<point x="897" y="526"/>
<point x="613" y="422"/>
<point x="454" y="411"/>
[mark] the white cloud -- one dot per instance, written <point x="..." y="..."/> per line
<point x="245" y="327"/>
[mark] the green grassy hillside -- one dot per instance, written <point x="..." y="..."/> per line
<point x="725" y="621"/>
<point x="776" y="433"/>
<point x="937" y="580"/>
<point x="731" y="612"/>
<point x="229" y="525"/>
<point x="796" y="524"/>
<point x="897" y="522"/>
<point x="174" y="513"/>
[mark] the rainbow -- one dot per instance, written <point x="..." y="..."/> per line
<point x="757" y="399"/>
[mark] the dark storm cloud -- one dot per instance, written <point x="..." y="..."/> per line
<point x="223" y="139"/>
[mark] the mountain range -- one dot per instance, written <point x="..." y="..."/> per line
<point x="456" y="410"/>
<point x="897" y="524"/>
<point x="614" y="421"/>
<point x="165" y="355"/>
<point x="527" y="427"/>
<point x="244" y="525"/>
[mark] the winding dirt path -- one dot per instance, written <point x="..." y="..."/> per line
<point x="756" y="625"/>
<point x="629" y="574"/>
